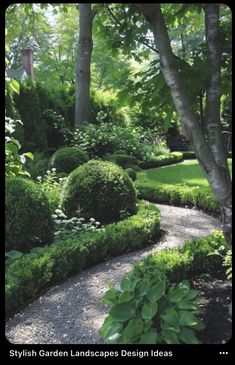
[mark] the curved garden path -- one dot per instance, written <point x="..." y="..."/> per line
<point x="72" y="313"/>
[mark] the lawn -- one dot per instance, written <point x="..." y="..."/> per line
<point x="185" y="173"/>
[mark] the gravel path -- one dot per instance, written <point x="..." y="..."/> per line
<point x="71" y="313"/>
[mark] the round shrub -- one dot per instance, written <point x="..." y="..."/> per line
<point x="124" y="161"/>
<point x="28" y="218"/>
<point x="67" y="159"/>
<point x="101" y="190"/>
<point x="131" y="172"/>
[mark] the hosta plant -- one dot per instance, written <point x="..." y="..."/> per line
<point x="151" y="313"/>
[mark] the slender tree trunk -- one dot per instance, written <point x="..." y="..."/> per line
<point x="219" y="178"/>
<point x="83" y="73"/>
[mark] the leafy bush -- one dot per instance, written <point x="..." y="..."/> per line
<point x="151" y="312"/>
<point x="178" y="142"/>
<point x="14" y="161"/>
<point x="188" y="155"/>
<point x="27" y="212"/>
<point x="72" y="228"/>
<point x="162" y="160"/>
<point x="124" y="161"/>
<point x="99" y="189"/>
<point x="179" y="196"/>
<point x="29" y="275"/>
<point x="58" y="133"/>
<point x="155" y="303"/>
<point x="38" y="165"/>
<point x="131" y="172"/>
<point x="28" y="105"/>
<point x="107" y="138"/>
<point x="67" y="159"/>
<point x="52" y="184"/>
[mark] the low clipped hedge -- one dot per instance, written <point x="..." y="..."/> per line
<point x="67" y="159"/>
<point x="28" y="276"/>
<point x="179" y="196"/>
<point x="27" y="213"/>
<point x="196" y="257"/>
<point x="125" y="161"/>
<point x="162" y="160"/>
<point x="101" y="190"/>
<point x="131" y="172"/>
<point x="187" y="155"/>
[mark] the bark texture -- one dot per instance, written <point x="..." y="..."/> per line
<point x="209" y="153"/>
<point x="83" y="73"/>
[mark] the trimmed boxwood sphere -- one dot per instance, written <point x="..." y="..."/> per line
<point x="28" y="218"/>
<point x="67" y="159"/>
<point x="100" y="190"/>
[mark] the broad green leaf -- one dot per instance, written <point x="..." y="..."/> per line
<point x="170" y="316"/>
<point x="123" y="311"/>
<point x="186" y="318"/>
<point x="191" y="295"/>
<point x="157" y="291"/>
<point x="185" y="304"/>
<point x="114" y="332"/>
<point x="107" y="324"/>
<point x="177" y="294"/>
<point x="169" y="337"/>
<point x="110" y="297"/>
<point x="149" y="310"/>
<point x="124" y="285"/>
<point x="170" y="327"/>
<point x="125" y="296"/>
<point x="187" y="335"/>
<point x="142" y="288"/>
<point x="149" y="338"/>
<point x="13" y="254"/>
<point x="10" y="146"/>
<point x="133" y="329"/>
<point x="199" y="326"/>
<point x="15" y="86"/>
<point x="29" y="155"/>
<point x="147" y="325"/>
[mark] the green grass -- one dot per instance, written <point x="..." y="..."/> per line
<point x="187" y="173"/>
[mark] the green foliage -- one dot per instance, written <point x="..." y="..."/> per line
<point x="29" y="275"/>
<point x="188" y="155"/>
<point x="28" y="105"/>
<point x="151" y="312"/>
<point x="67" y="159"/>
<point x="162" y="160"/>
<point x="28" y="218"/>
<point x="107" y="138"/>
<point x="38" y="165"/>
<point x="122" y="160"/>
<point x="58" y="134"/>
<point x="52" y="184"/>
<point x="14" y="161"/>
<point x="72" y="228"/>
<point x="228" y="264"/>
<point x="99" y="189"/>
<point x="131" y="172"/>
<point x="155" y="304"/>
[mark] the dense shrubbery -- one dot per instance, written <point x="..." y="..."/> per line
<point x="101" y="190"/>
<point x="29" y="275"/>
<point x="189" y="155"/>
<point x="149" y="308"/>
<point x="162" y="160"/>
<point x="179" y="196"/>
<point x="67" y="159"/>
<point x="131" y="172"/>
<point x="27" y="213"/>
<point x="107" y="138"/>
<point x="123" y="160"/>
<point x="178" y="142"/>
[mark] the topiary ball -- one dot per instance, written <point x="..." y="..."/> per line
<point x="100" y="190"/>
<point x="28" y="218"/>
<point x="131" y="172"/>
<point x="67" y="159"/>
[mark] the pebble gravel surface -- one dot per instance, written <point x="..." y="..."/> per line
<point x="71" y="313"/>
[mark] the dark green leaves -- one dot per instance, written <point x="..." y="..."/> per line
<point x="157" y="291"/>
<point x="149" y="310"/>
<point x="123" y="311"/>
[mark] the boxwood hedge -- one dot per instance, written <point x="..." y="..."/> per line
<point x="28" y="276"/>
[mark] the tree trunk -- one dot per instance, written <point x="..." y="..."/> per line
<point x="83" y="73"/>
<point x="219" y="178"/>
